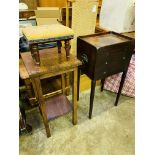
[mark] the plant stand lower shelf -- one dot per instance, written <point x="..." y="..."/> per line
<point x="57" y="106"/>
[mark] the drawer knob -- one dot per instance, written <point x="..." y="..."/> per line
<point x="124" y="58"/>
<point x="104" y="72"/>
<point x="106" y="62"/>
<point x="84" y="58"/>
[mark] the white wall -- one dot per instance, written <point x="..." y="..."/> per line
<point x="118" y="15"/>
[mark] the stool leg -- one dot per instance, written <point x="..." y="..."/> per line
<point x="78" y="83"/>
<point x="93" y="83"/>
<point x="67" y="48"/>
<point x="102" y="84"/>
<point x="59" y="46"/>
<point x="120" y="88"/>
<point x="38" y="89"/>
<point x="31" y="50"/>
<point x="35" y="53"/>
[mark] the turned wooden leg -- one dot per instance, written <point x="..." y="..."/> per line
<point x="59" y="46"/>
<point x="63" y="83"/>
<point x="120" y="87"/>
<point x="102" y="84"/>
<point x="31" y="50"/>
<point x="93" y="83"/>
<point x="74" y="97"/>
<point x="67" y="48"/>
<point x="38" y="89"/>
<point x="35" y="53"/>
<point x="78" y="83"/>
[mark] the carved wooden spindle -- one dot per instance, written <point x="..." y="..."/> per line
<point x="35" y="53"/>
<point x="59" y="46"/>
<point x="67" y="48"/>
<point x="32" y="52"/>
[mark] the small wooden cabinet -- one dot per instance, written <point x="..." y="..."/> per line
<point x="103" y="55"/>
<point x="26" y="13"/>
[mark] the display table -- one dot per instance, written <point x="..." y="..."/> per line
<point x="51" y="64"/>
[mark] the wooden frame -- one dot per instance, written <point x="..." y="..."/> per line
<point x="36" y="74"/>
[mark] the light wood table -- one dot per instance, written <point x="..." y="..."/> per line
<point x="52" y="64"/>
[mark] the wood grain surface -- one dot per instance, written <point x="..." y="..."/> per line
<point x="51" y="63"/>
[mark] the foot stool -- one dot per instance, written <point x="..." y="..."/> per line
<point x="47" y="33"/>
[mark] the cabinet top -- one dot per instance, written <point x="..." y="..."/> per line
<point x="105" y="39"/>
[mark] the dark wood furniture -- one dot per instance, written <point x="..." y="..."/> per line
<point x="102" y="55"/>
<point x="23" y="126"/>
<point x="26" y="13"/>
<point x="52" y="64"/>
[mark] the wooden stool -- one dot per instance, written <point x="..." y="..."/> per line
<point x="47" y="33"/>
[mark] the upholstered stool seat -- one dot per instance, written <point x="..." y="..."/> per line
<point x="47" y="33"/>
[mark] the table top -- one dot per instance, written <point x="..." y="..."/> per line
<point x="105" y="39"/>
<point x="52" y="63"/>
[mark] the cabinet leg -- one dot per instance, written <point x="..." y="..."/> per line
<point x="102" y="84"/>
<point x="78" y="83"/>
<point x="120" y="88"/>
<point x="93" y="83"/>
